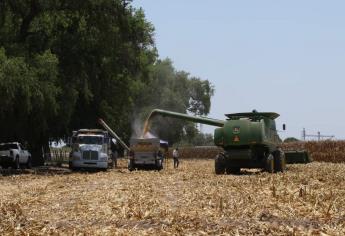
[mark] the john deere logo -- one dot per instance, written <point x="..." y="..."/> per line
<point x="236" y="130"/>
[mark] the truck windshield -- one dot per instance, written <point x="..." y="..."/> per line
<point x="4" y="147"/>
<point x="90" y="140"/>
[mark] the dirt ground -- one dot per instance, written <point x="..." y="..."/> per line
<point x="192" y="200"/>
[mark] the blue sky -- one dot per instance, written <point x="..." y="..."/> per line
<point x="282" y="56"/>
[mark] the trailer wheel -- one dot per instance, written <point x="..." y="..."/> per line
<point x="279" y="161"/>
<point x="130" y="165"/>
<point x="269" y="165"/>
<point x="219" y="164"/>
<point x="159" y="165"/>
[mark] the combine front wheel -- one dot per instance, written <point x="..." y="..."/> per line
<point x="233" y="170"/>
<point x="269" y="165"/>
<point x="279" y="161"/>
<point x="219" y="164"/>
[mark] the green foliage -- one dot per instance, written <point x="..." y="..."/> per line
<point x="291" y="139"/>
<point x="176" y="91"/>
<point x="28" y="95"/>
<point x="63" y="64"/>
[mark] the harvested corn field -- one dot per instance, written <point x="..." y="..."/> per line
<point x="307" y="199"/>
<point x="206" y="152"/>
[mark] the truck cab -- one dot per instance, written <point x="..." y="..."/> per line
<point x="90" y="149"/>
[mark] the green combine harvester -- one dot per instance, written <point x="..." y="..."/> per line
<point x="249" y="140"/>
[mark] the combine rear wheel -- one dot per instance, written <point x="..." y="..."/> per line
<point x="269" y="165"/>
<point x="233" y="170"/>
<point x="219" y="164"/>
<point x="279" y="161"/>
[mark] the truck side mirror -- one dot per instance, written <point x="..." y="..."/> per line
<point x="284" y="127"/>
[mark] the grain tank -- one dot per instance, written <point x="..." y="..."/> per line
<point x="249" y="140"/>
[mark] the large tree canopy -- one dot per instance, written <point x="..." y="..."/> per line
<point x="63" y="64"/>
<point x="176" y="91"/>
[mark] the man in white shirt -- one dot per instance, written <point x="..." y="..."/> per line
<point x="176" y="156"/>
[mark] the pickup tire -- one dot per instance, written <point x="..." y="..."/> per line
<point x="29" y="163"/>
<point x="17" y="163"/>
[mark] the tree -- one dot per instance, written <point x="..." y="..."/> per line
<point x="291" y="139"/>
<point x="66" y="63"/>
<point x="177" y="91"/>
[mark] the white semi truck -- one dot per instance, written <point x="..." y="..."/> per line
<point x="90" y="149"/>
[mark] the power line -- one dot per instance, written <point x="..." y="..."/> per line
<point x="318" y="135"/>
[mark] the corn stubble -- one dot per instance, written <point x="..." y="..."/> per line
<point x="306" y="200"/>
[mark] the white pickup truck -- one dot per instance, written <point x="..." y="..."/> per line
<point x="14" y="155"/>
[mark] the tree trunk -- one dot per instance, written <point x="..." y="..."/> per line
<point x="37" y="152"/>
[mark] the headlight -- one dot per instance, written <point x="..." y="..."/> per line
<point x="103" y="157"/>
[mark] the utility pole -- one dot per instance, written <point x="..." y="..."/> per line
<point x="318" y="135"/>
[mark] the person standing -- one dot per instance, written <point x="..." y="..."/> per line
<point x="114" y="156"/>
<point x="176" y="157"/>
